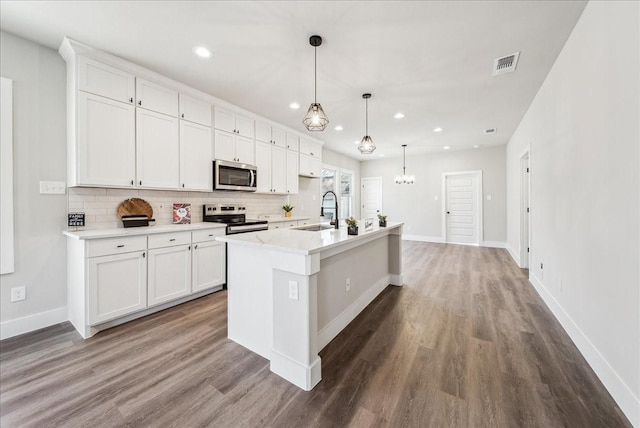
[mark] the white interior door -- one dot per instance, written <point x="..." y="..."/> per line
<point x="371" y="197"/>
<point x="462" y="195"/>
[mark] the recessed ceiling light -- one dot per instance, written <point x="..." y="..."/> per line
<point x="294" y="106"/>
<point x="381" y="155"/>
<point x="477" y="146"/>
<point x="446" y="147"/>
<point x="356" y="142"/>
<point x="398" y="115"/>
<point x="338" y="128"/>
<point x="438" y="129"/>
<point x="202" y="52"/>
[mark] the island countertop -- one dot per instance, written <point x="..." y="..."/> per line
<point x="303" y="241"/>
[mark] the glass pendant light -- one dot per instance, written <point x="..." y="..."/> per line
<point x="404" y="178"/>
<point x="366" y="146"/>
<point x="315" y="120"/>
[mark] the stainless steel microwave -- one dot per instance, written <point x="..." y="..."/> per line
<point x="234" y="176"/>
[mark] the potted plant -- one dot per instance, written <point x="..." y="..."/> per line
<point x="287" y="210"/>
<point x="352" y="226"/>
<point x="382" y="220"/>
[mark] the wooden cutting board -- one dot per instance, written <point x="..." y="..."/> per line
<point x="135" y="206"/>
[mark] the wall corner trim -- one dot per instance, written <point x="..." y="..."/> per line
<point x="513" y="255"/>
<point x="32" y="322"/>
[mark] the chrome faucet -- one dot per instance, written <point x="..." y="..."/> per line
<point x="335" y="221"/>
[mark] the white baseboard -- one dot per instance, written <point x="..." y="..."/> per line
<point x="619" y="390"/>
<point x="493" y="244"/>
<point x="437" y="239"/>
<point x="338" y="324"/>
<point x="33" y="322"/>
<point x="514" y="255"/>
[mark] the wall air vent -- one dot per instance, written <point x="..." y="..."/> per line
<point x="490" y="131"/>
<point x="506" y="64"/>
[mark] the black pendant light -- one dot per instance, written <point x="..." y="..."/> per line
<point x="404" y="178"/>
<point x="315" y="120"/>
<point x="366" y="146"/>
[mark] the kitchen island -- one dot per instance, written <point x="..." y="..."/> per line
<point x="291" y="291"/>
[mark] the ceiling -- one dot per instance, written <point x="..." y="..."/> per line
<point x="430" y="60"/>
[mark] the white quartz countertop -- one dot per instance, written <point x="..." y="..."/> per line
<point x="144" y="230"/>
<point x="305" y="241"/>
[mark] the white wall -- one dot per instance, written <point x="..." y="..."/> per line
<point x="39" y="136"/>
<point x="415" y="204"/>
<point x="583" y="128"/>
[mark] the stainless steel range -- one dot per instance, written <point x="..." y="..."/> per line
<point x="234" y="217"/>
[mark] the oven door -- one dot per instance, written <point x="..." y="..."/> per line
<point x="234" y="176"/>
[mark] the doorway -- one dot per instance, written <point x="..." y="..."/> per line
<point x="525" y="210"/>
<point x="462" y="207"/>
<point x="371" y="197"/>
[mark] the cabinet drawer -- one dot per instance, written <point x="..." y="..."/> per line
<point x="169" y="239"/>
<point x="104" y="247"/>
<point x="206" y="235"/>
<point x="288" y="224"/>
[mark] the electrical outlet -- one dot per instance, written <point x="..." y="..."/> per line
<point x="347" y="285"/>
<point x="18" y="294"/>
<point x="293" y="290"/>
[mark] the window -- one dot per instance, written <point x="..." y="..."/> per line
<point x="340" y="181"/>
<point x="346" y="193"/>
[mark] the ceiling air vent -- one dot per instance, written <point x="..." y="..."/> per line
<point x="490" y="131"/>
<point x="506" y="64"/>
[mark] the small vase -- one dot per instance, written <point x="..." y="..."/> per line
<point x="288" y="213"/>
<point x="352" y="230"/>
<point x="382" y="223"/>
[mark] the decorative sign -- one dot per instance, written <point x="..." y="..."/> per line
<point x="76" y="219"/>
<point x="368" y="224"/>
<point x="181" y="213"/>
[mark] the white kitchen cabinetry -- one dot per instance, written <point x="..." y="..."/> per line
<point x="311" y="148"/>
<point x="195" y="110"/>
<point x="234" y="123"/>
<point x="105" y="153"/>
<point x="271" y="163"/>
<point x="268" y="133"/>
<point x="310" y="166"/>
<point x="234" y="148"/>
<point x="117" y="278"/>
<point x="208" y="260"/>
<point x="196" y="156"/>
<point x="292" y="172"/>
<point x="283" y="224"/>
<point x="158" y="98"/>
<point x="293" y="142"/>
<point x="104" y="80"/>
<point x="169" y="267"/>
<point x="157" y="150"/>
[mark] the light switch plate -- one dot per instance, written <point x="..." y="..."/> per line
<point x="293" y="290"/>
<point x="53" y="187"/>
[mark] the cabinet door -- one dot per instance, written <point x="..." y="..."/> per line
<point x="278" y="169"/>
<point x="195" y="157"/>
<point x="102" y="79"/>
<point x="279" y="136"/>
<point x="156" y="97"/>
<point x="245" y="150"/>
<point x="224" y="120"/>
<point x="195" y="110"/>
<point x="224" y="146"/>
<point x="106" y="150"/>
<point x="309" y="166"/>
<point x="244" y="126"/>
<point x="292" y="172"/>
<point x="263" y="131"/>
<point x="157" y="150"/>
<point x="208" y="265"/>
<point x="263" y="162"/>
<point x="310" y="148"/>
<point x="117" y="285"/>
<point x="169" y="273"/>
<point x="293" y="142"/>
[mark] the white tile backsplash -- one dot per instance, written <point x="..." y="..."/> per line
<point x="101" y="205"/>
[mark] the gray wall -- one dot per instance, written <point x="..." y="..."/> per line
<point x="583" y="132"/>
<point x="39" y="144"/>
<point x="416" y="204"/>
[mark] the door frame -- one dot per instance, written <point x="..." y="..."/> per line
<point x="362" y="180"/>
<point x="525" y="202"/>
<point x="478" y="209"/>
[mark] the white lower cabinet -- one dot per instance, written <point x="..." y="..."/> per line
<point x="208" y="265"/>
<point x="169" y="273"/>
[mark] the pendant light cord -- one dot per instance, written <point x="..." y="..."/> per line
<point x="315" y="75"/>
<point x="366" y="104"/>
<point x="404" y="161"/>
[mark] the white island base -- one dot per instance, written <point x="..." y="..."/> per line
<point x="290" y="292"/>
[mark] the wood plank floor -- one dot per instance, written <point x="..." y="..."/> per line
<point x="465" y="343"/>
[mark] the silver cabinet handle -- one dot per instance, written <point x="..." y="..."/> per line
<point x="120" y="246"/>
<point x="172" y="239"/>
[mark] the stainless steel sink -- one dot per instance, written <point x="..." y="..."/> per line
<point x="315" y="227"/>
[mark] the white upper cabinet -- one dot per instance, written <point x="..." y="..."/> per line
<point x="157" y="150"/>
<point x="245" y="150"/>
<point x="272" y="164"/>
<point x="104" y="80"/>
<point x="236" y="124"/>
<point x="195" y="110"/>
<point x="105" y="149"/>
<point x="263" y="162"/>
<point x="278" y="169"/>
<point x="293" y="142"/>
<point x="263" y="131"/>
<point x="155" y="97"/>
<point x="234" y="148"/>
<point x="311" y="148"/>
<point x="268" y="133"/>
<point x="195" y="157"/>
<point x="310" y="166"/>
<point x="292" y="172"/>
